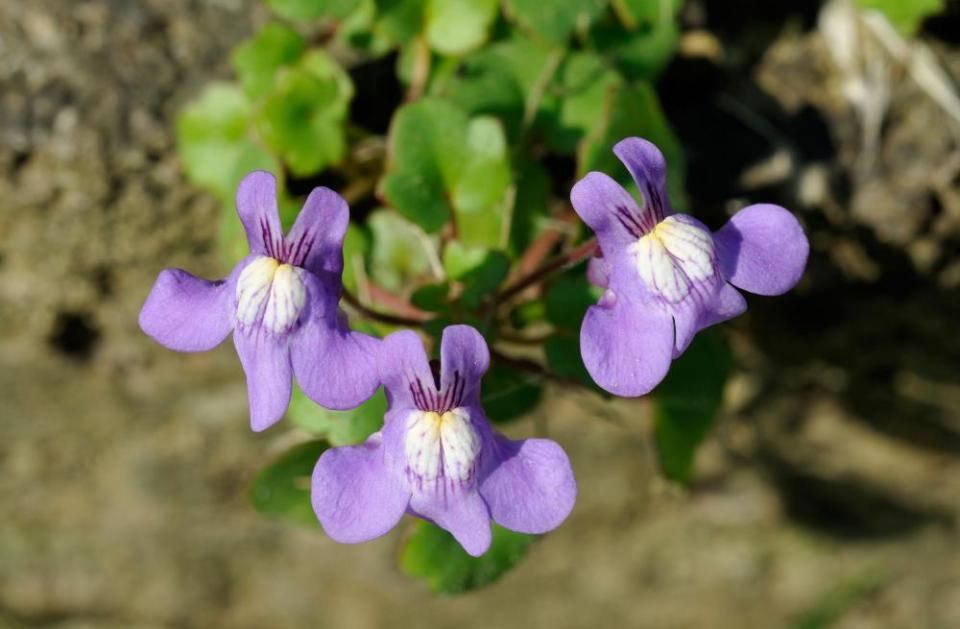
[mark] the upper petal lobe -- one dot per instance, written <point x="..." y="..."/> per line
<point x="649" y="169"/>
<point x="402" y="362"/>
<point x="609" y="210"/>
<point x="257" y="207"/>
<point x="315" y="241"/>
<point x="463" y="350"/>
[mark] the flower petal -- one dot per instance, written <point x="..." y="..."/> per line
<point x="463" y="350"/>
<point x="626" y="344"/>
<point x="315" y="241"/>
<point x="266" y="362"/>
<point x="257" y="207"/>
<point x="762" y="249"/>
<point x="725" y="302"/>
<point x="529" y="485"/>
<point x="187" y="313"/>
<point x="356" y="498"/>
<point x="602" y="203"/>
<point x="649" y="169"/>
<point x="336" y="367"/>
<point x="463" y="514"/>
<point x="401" y="360"/>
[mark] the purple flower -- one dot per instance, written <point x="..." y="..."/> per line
<point x="281" y="302"/>
<point x="437" y="457"/>
<point x="667" y="276"/>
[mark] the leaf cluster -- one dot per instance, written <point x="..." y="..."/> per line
<point x="494" y="109"/>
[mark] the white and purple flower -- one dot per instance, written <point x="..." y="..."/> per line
<point x="281" y="302"/>
<point x="666" y="275"/>
<point x="438" y="458"/>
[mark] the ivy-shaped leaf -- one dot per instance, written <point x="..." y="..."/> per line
<point x="305" y="10"/>
<point x="302" y="116"/>
<point x="567" y="300"/>
<point x="479" y="191"/>
<point x="508" y="393"/>
<point x="340" y="428"/>
<point x="258" y="60"/>
<point x="554" y="20"/>
<point x="686" y="403"/>
<point x="455" y="27"/>
<point x="633" y="110"/>
<point x="576" y="106"/>
<point x="398" y="254"/>
<point x="441" y="164"/>
<point x="641" y="37"/>
<point x="212" y="139"/>
<point x="479" y="270"/>
<point x="433" y="555"/>
<point x="282" y="488"/>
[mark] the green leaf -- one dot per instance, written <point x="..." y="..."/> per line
<point x="485" y="85"/>
<point x="398" y="255"/>
<point x="455" y="27"/>
<point x="633" y="110"/>
<point x="508" y="394"/>
<point x="424" y="154"/>
<point x="687" y="401"/>
<point x="527" y="313"/>
<point x="282" y="488"/>
<point x="399" y="21"/>
<point x="304" y="10"/>
<point x="905" y="15"/>
<point x="585" y="83"/>
<point x="217" y="152"/>
<point x="554" y="20"/>
<point x="356" y="246"/>
<point x="483" y="281"/>
<point x="232" y="240"/>
<point x="433" y="555"/>
<point x="498" y="79"/>
<point x="212" y="135"/>
<point x="567" y="300"/>
<point x="340" y="428"/>
<point x="480" y="189"/>
<point x="432" y="297"/>
<point x="563" y="357"/>
<point x="302" y="116"/>
<point x="442" y="163"/>
<point x="479" y="270"/>
<point x="359" y="31"/>
<point x="642" y="38"/>
<point x="458" y="259"/>
<point x="531" y="205"/>
<point x="258" y="60"/>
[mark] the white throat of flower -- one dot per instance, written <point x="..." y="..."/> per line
<point x="271" y="294"/>
<point x="673" y="256"/>
<point x="441" y="446"/>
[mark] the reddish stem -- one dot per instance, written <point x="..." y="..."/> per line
<point x="547" y="269"/>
